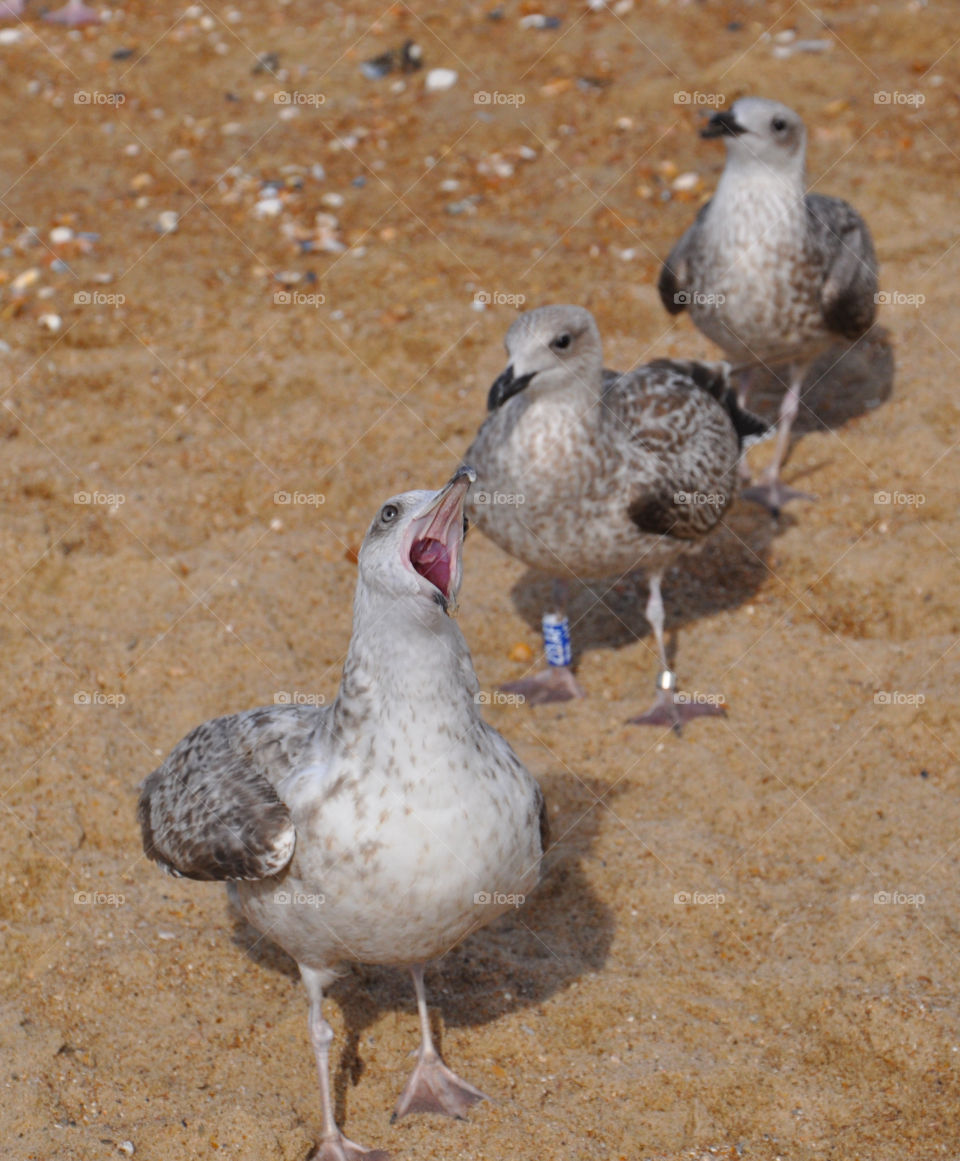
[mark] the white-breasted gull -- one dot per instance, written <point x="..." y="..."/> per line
<point x="772" y="274"/>
<point x="588" y="473"/>
<point x="381" y="829"/>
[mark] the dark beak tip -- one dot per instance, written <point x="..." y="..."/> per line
<point x="722" y="124"/>
<point x="500" y="389"/>
<point x="505" y="386"/>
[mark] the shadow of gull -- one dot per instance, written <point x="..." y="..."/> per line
<point x="724" y="572"/>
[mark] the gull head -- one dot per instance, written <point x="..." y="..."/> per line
<point x="412" y="552"/>
<point x="550" y="348"/>
<point x="760" y="134"/>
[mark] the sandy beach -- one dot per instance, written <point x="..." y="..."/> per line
<point x="247" y="292"/>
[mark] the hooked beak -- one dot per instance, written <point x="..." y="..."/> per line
<point x="436" y="539"/>
<point x="505" y="386"/>
<point x="723" y="124"/>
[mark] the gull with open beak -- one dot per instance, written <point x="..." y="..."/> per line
<point x="381" y="829"/>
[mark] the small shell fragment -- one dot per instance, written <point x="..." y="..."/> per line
<point x="25" y="280"/>
<point x="521" y="652"/>
<point x="439" y="80"/>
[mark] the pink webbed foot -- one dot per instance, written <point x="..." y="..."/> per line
<point x="674" y="709"/>
<point x="341" y="1149"/>
<point x="555" y="683"/>
<point x="434" y="1088"/>
<point x="773" y="494"/>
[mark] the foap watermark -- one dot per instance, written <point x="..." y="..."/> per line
<point x="298" y="697"/>
<point x="886" y="97"/>
<point x="508" y="499"/>
<point x="498" y="298"/>
<point x="694" y="298"/>
<point x="300" y="499"/>
<point x="96" y="97"/>
<point x="295" y="97"/>
<point x="111" y="500"/>
<point x="699" y="898"/>
<point x="298" y="899"/>
<point x="298" y="298"/>
<point x="98" y="697"/>
<point x="898" y="697"/>
<point x="684" y="97"/>
<point x="498" y="899"/>
<point x="98" y="899"/>
<point x="899" y="899"/>
<point x="898" y="298"/>
<point x="498" y="697"/>
<point x="697" y="698"/>
<point x="701" y="499"/>
<point x="482" y="97"/>
<point x="909" y="499"/>
<point x="98" y="298"/>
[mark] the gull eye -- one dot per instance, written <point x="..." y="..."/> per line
<point x="389" y="513"/>
<point x="561" y="342"/>
<point x="778" y="124"/>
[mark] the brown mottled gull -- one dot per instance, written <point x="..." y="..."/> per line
<point x="381" y="829"/>
<point x="589" y="473"/>
<point x="770" y="273"/>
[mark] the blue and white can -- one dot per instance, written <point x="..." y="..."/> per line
<point x="556" y="639"/>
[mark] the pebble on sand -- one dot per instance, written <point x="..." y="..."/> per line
<point x="540" y="21"/>
<point x="268" y="207"/>
<point x="25" y="280"/>
<point x="439" y="80"/>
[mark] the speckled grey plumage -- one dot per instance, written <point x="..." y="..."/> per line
<point x="364" y="831"/>
<point x="212" y="810"/>
<point x="589" y="472"/>
<point x="594" y="473"/>
<point x="772" y="274"/>
<point x="767" y="271"/>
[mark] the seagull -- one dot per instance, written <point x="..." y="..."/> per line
<point x="381" y="829"/>
<point x="588" y="473"/>
<point x="772" y="274"/>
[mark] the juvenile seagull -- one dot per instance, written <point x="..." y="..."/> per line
<point x="772" y="274"/>
<point x="381" y="829"/>
<point x="590" y="473"/>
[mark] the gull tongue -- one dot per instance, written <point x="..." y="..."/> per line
<point x="432" y="561"/>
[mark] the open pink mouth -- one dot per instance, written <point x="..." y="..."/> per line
<point x="433" y="561"/>
<point x="438" y="536"/>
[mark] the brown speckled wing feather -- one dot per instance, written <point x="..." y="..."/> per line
<point x="681" y="443"/>
<point x="211" y="810"/>
<point x="672" y="283"/>
<point x="842" y="245"/>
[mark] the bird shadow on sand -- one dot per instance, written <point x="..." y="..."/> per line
<point x="841" y="385"/>
<point x="560" y="933"/>
<point x="724" y="572"/>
